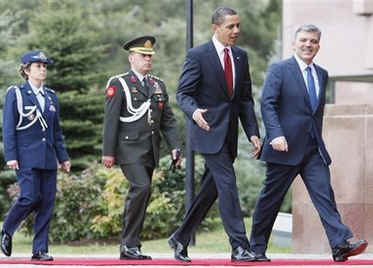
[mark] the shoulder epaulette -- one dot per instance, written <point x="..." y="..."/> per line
<point x="113" y="77"/>
<point x="155" y="77"/>
<point x="9" y="88"/>
<point x="118" y="75"/>
<point x="51" y="90"/>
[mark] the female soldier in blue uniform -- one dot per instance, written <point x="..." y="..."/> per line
<point x="33" y="143"/>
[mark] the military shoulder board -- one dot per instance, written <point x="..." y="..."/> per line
<point x="51" y="90"/>
<point x="155" y="77"/>
<point x="113" y="77"/>
<point x="9" y="88"/>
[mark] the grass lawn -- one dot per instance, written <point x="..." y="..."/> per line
<point x="213" y="242"/>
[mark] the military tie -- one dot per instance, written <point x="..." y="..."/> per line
<point x="311" y="89"/>
<point x="228" y="72"/>
<point x="145" y="84"/>
<point x="41" y="99"/>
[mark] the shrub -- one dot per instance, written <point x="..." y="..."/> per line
<point x="250" y="177"/>
<point x="89" y="206"/>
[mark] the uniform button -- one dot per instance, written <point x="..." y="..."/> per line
<point x="152" y="132"/>
<point x="43" y="139"/>
<point x="152" y="121"/>
<point x="126" y="137"/>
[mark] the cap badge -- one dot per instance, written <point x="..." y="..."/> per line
<point x="40" y="56"/>
<point x="148" y="44"/>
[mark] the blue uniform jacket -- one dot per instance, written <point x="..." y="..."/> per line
<point x="33" y="147"/>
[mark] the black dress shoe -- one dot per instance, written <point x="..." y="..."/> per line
<point x="6" y="243"/>
<point x="241" y="254"/>
<point x="181" y="252"/>
<point x="133" y="253"/>
<point x="261" y="257"/>
<point x="347" y="249"/>
<point x="41" y="256"/>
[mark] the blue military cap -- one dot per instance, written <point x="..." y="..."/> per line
<point x="35" y="56"/>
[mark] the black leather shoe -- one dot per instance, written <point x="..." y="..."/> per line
<point x="241" y="254"/>
<point x="261" y="257"/>
<point x="181" y="252"/>
<point x="133" y="253"/>
<point x="6" y="243"/>
<point x="347" y="249"/>
<point x="41" y="256"/>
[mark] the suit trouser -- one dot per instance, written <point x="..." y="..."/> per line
<point x="37" y="193"/>
<point x="316" y="177"/>
<point x="139" y="177"/>
<point x="219" y="182"/>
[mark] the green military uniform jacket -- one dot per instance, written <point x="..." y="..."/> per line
<point x="131" y="142"/>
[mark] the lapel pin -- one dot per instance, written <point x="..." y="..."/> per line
<point x="29" y="92"/>
<point x="52" y="108"/>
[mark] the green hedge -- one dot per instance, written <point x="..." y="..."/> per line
<point x="89" y="206"/>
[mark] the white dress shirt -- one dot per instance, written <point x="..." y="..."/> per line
<point x="220" y="50"/>
<point x="303" y="66"/>
<point x="39" y="92"/>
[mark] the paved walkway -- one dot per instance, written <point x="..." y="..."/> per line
<point x="164" y="255"/>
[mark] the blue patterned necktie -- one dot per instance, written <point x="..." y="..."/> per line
<point x="311" y="89"/>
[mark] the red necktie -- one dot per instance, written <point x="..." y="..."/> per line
<point x="228" y="72"/>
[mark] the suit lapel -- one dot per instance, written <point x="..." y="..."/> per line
<point x="138" y="84"/>
<point x="320" y="77"/>
<point x="237" y="64"/>
<point x="216" y="65"/>
<point x="299" y="77"/>
<point x="48" y="102"/>
<point x="152" y="86"/>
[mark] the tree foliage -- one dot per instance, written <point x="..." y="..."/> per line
<point x="84" y="39"/>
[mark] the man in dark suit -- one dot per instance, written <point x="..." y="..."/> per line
<point x="214" y="91"/>
<point x="292" y="106"/>
<point x="136" y="112"/>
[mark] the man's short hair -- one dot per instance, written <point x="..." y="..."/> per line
<point x="220" y="13"/>
<point x="309" y="28"/>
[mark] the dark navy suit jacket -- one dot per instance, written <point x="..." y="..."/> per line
<point x="202" y="85"/>
<point x="33" y="147"/>
<point x="286" y="111"/>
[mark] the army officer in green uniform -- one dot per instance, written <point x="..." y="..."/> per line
<point x="136" y="111"/>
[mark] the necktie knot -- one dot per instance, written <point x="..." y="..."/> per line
<point x="40" y="91"/>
